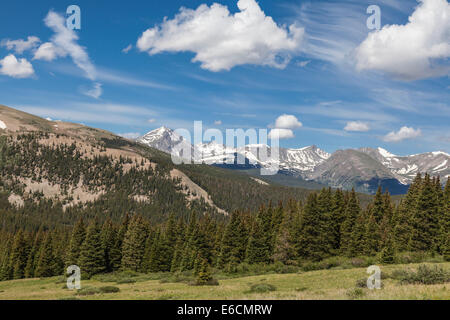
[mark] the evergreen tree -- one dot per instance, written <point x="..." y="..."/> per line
<point x="425" y="219"/>
<point x="33" y="257"/>
<point x="108" y="238"/>
<point x="204" y="276"/>
<point x="337" y="218"/>
<point x="312" y="242"/>
<point x="352" y="212"/>
<point x="404" y="214"/>
<point x="445" y="223"/>
<point x="76" y="241"/>
<point x="45" y="266"/>
<point x="19" y="255"/>
<point x="388" y="252"/>
<point x="6" y="271"/>
<point x="259" y="248"/>
<point x="133" y="248"/>
<point x="92" y="255"/>
<point x="234" y="242"/>
<point x="116" y="250"/>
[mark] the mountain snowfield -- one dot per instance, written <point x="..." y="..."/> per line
<point x="365" y="168"/>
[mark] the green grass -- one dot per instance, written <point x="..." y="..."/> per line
<point x="320" y="284"/>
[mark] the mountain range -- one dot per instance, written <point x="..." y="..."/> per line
<point x="363" y="169"/>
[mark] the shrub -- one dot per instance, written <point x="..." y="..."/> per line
<point x="87" y="291"/>
<point x="361" y="283"/>
<point x="355" y="293"/>
<point x="210" y="282"/>
<point x="424" y="275"/>
<point x="126" y="280"/>
<point x="262" y="288"/>
<point x="109" y="289"/>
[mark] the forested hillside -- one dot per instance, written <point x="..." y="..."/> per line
<point x="328" y="224"/>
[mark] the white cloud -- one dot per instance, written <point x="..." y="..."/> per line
<point x="130" y="135"/>
<point x="412" y="51"/>
<point x="402" y="134"/>
<point x="287" y="121"/>
<point x="303" y="64"/>
<point x="281" y="134"/>
<point x="218" y="122"/>
<point x="49" y="52"/>
<point x="20" y="45"/>
<point x="10" y="66"/>
<point x="357" y="126"/>
<point x="95" y="92"/>
<point x="127" y="49"/>
<point x="151" y="120"/>
<point x="64" y="42"/>
<point x="222" y="40"/>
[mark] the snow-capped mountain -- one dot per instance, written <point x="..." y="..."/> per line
<point x="257" y="155"/>
<point x="166" y="140"/>
<point x="405" y="168"/>
<point x="365" y="169"/>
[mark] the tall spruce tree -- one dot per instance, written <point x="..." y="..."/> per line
<point x="133" y="248"/>
<point x="312" y="242"/>
<point x="46" y="264"/>
<point x="405" y="213"/>
<point x="234" y="241"/>
<point x="19" y="255"/>
<point x="76" y="241"/>
<point x="352" y="212"/>
<point x="425" y="219"/>
<point x="92" y="255"/>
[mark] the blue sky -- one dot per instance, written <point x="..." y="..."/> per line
<point x="324" y="74"/>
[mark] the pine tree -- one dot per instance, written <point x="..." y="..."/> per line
<point x="133" y="248"/>
<point x="312" y="244"/>
<point x="92" y="255"/>
<point x="404" y="214"/>
<point x="204" y="276"/>
<point x="6" y="271"/>
<point x="234" y="242"/>
<point x="116" y="250"/>
<point x="425" y="220"/>
<point x="445" y="223"/>
<point x="285" y="250"/>
<point x="372" y="237"/>
<point x="33" y="257"/>
<point x="76" y="241"/>
<point x="388" y="253"/>
<point x="337" y="218"/>
<point x="45" y="266"/>
<point x="19" y="255"/>
<point x="108" y="238"/>
<point x="352" y="212"/>
<point x="259" y="248"/>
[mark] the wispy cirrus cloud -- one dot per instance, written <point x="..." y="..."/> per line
<point x="19" y="46"/>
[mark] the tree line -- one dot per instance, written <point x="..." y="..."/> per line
<point x="329" y="223"/>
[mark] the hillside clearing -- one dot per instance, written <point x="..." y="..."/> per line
<point x="314" y="285"/>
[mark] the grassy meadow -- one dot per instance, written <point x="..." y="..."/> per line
<point x="322" y="284"/>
